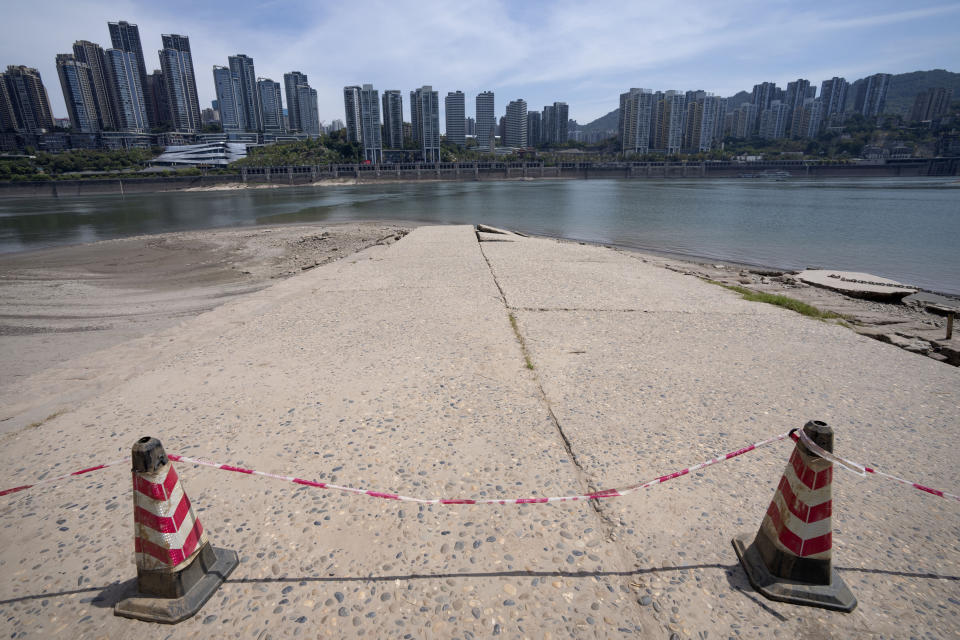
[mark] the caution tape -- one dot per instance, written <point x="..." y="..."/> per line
<point x="795" y="434"/>
<point x="862" y="469"/>
<point x="597" y="495"/>
<point x="63" y="477"/>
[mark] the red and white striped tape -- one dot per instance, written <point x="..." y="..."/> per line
<point x="64" y="476"/>
<point x="605" y="493"/>
<point x="863" y="470"/>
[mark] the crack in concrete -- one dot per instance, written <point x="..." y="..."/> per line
<point x="607" y="522"/>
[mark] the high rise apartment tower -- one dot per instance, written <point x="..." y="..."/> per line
<point x="393" y="119"/>
<point x="77" y="84"/>
<point x="486" y="120"/>
<point x="351" y="108"/>
<point x="176" y="62"/>
<point x="126" y="37"/>
<point x="455" y="114"/>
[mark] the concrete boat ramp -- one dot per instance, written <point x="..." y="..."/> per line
<point x="857" y="285"/>
<point x="405" y="369"/>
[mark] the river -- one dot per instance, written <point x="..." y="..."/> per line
<point x="906" y="229"/>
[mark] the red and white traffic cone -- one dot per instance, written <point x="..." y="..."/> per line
<point x="177" y="567"/>
<point x="790" y="557"/>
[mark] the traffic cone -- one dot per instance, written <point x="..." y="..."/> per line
<point x="790" y="557"/>
<point x="177" y="567"/>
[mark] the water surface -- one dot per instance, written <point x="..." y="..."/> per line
<point x="905" y="229"/>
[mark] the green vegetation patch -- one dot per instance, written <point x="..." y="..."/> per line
<point x="781" y="301"/>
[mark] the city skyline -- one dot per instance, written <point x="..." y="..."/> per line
<point x="718" y="49"/>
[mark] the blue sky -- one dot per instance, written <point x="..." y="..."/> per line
<point x="584" y="53"/>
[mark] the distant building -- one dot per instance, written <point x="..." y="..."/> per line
<point x="810" y="118"/>
<point x="126" y="91"/>
<point x="833" y="94"/>
<point x="126" y="37"/>
<point x="425" y="105"/>
<point x="555" y="122"/>
<point x="251" y="111"/>
<point x="226" y="84"/>
<point x="24" y="104"/>
<point x="486" y="120"/>
<point x="290" y="83"/>
<point x="871" y="98"/>
<point x="470" y="126"/>
<point x="208" y="116"/>
<point x="370" y="124"/>
<point x="773" y="121"/>
<point x="534" y="129"/>
<point x="931" y="104"/>
<point x="393" y="119"/>
<point x="271" y="105"/>
<point x="76" y="82"/>
<point x="308" y="111"/>
<point x="157" y="87"/>
<point x="516" y="125"/>
<point x="455" y="113"/>
<point x="351" y="107"/>
<point x="176" y="62"/>
<point x="91" y="54"/>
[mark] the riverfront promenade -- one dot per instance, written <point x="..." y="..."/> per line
<point x="398" y="369"/>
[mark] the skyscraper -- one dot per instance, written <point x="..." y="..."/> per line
<point x="126" y="90"/>
<point x="486" y="120"/>
<point x="291" y="81"/>
<point x="76" y="82"/>
<point x="227" y="86"/>
<point x="126" y="37"/>
<point x="871" y="98"/>
<point x="454" y="114"/>
<point x="181" y="84"/>
<point x="351" y="108"/>
<point x="763" y="94"/>
<point x="91" y="54"/>
<point x="271" y="105"/>
<point x="556" y="123"/>
<point x="426" y="104"/>
<point x="250" y="109"/>
<point x="24" y="104"/>
<point x="516" y="133"/>
<point x="307" y="108"/>
<point x="533" y="128"/>
<point x="159" y="112"/>
<point x="634" y="127"/>
<point x="392" y="119"/>
<point x="471" y="126"/>
<point x="370" y="124"/>
<point x="414" y="118"/>
<point x="833" y="94"/>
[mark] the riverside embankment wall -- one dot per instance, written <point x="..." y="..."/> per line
<point x="300" y="175"/>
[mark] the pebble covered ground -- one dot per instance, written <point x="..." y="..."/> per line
<point x="398" y="369"/>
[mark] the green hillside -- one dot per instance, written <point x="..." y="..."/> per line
<point x="904" y="88"/>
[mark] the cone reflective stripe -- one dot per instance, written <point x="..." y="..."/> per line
<point x="790" y="557"/>
<point x="167" y="532"/>
<point x="177" y="568"/>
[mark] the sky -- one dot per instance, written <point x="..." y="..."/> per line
<point x="581" y="53"/>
